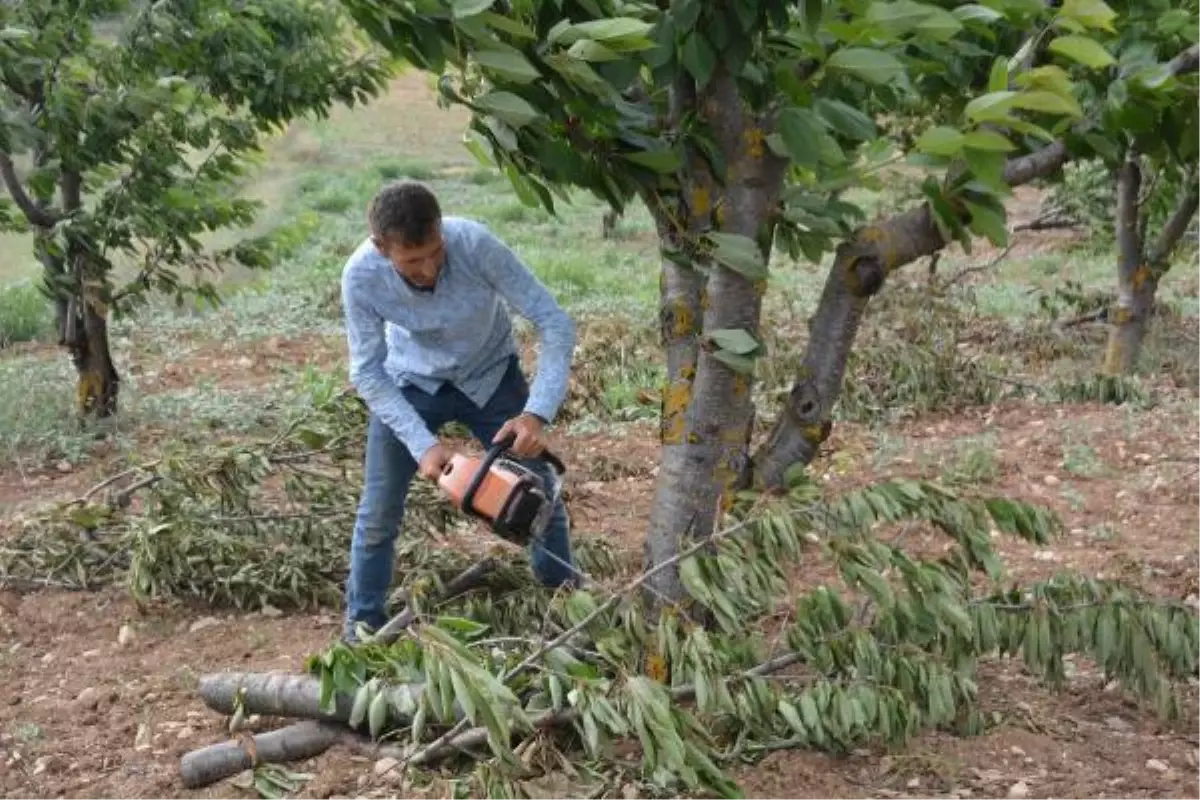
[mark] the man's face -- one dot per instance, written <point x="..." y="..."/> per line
<point x="421" y="263"/>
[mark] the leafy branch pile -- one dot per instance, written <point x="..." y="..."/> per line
<point x="879" y="645"/>
<point x="244" y="525"/>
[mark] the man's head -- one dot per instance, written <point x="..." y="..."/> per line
<point x="406" y="227"/>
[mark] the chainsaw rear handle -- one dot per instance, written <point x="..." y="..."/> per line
<point x="493" y="453"/>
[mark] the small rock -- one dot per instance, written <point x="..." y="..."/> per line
<point x="245" y="361"/>
<point x="185" y="733"/>
<point x="64" y="466"/>
<point x="1193" y="600"/>
<point x="1143" y="458"/>
<point x="202" y="623"/>
<point x="1018" y="790"/>
<point x="913" y="783"/>
<point x="385" y="765"/>
<point x="42" y="764"/>
<point x="125" y="635"/>
<point x="46" y="659"/>
<point x="1051" y="480"/>
<point x="1016" y="751"/>
<point x="1157" y="765"/>
<point x="88" y="698"/>
<point x="1045" y="555"/>
<point x="1193" y="759"/>
<point x="630" y="791"/>
<point x="90" y="653"/>
<point x="1118" y="724"/>
<point x="269" y="610"/>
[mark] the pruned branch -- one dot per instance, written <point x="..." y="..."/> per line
<point x="294" y="743"/>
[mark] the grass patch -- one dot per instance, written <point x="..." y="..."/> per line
<point x="25" y="315"/>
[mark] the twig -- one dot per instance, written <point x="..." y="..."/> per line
<point x="958" y="276"/>
<point x="104" y="484"/>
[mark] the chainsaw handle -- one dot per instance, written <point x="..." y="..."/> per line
<point x="507" y="442"/>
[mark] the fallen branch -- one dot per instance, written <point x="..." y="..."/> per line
<point x="293" y="743"/>
<point x="277" y="694"/>
<point x="477" y="737"/>
<point x="465" y="580"/>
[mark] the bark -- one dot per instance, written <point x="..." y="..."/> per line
<point x="293" y="743"/>
<point x="859" y="270"/>
<point x="707" y="410"/>
<point x="1134" y="284"/>
<point x="278" y="694"/>
<point x="1139" y="270"/>
<point x="84" y="322"/>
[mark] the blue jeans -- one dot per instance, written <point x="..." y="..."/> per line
<point x="390" y="469"/>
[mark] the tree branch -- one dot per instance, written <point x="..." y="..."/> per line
<point x="1129" y="182"/>
<point x="36" y="213"/>
<point x="1175" y="228"/>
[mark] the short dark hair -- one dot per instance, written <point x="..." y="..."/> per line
<point x="404" y="210"/>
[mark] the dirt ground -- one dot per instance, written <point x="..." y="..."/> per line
<point x="89" y="711"/>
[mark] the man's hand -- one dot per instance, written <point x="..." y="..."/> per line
<point x="529" y="432"/>
<point x="434" y="461"/>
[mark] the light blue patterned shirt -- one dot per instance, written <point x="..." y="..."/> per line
<point x="459" y="332"/>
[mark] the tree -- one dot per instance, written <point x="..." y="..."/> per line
<point x="740" y="125"/>
<point x="1150" y="128"/>
<point x="125" y="126"/>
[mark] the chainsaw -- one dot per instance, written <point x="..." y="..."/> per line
<point x="510" y="498"/>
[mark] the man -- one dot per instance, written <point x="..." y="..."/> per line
<point x="430" y="342"/>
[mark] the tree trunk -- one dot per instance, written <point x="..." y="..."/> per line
<point x="1135" y="286"/>
<point x="858" y="272"/>
<point x="294" y="743"/>
<point x="707" y="409"/>
<point x="84" y="330"/>
<point x="1138" y="277"/>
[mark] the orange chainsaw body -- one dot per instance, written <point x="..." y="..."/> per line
<point x="509" y="497"/>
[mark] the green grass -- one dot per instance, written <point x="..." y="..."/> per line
<point x="25" y="315"/>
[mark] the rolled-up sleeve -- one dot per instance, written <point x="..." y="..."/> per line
<point x="517" y="284"/>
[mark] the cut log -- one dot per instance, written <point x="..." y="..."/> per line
<point x="279" y="694"/>
<point x="293" y="743"/>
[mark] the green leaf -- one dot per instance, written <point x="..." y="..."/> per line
<point x="511" y="108"/>
<point x="805" y="139"/>
<point x="975" y="12"/>
<point x="998" y="78"/>
<point x="940" y="25"/>
<point x="940" y="141"/>
<point x="591" y="50"/>
<point x="617" y="30"/>
<point x="745" y="366"/>
<point x="873" y="66"/>
<point x="664" y="161"/>
<point x="988" y="140"/>
<point x="699" y="57"/>
<point x="469" y="8"/>
<point x="1048" y="102"/>
<point x="377" y="714"/>
<point x="739" y="253"/>
<point x="1082" y="49"/>
<point x="991" y="107"/>
<point x="1092" y="13"/>
<point x="510" y="63"/>
<point x="898" y="17"/>
<point x="735" y="340"/>
<point x="845" y="119"/>
<point x="988" y="222"/>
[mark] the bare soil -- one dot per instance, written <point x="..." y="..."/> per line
<point x="84" y="715"/>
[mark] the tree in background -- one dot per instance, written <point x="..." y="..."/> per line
<point x="741" y="125"/>
<point x="123" y="128"/>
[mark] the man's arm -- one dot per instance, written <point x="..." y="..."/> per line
<point x="368" y="352"/>
<point x="520" y="287"/>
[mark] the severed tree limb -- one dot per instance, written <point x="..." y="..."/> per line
<point x="278" y="694"/>
<point x="223" y="759"/>
<point x="476" y="737"/>
<point x="465" y="580"/>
